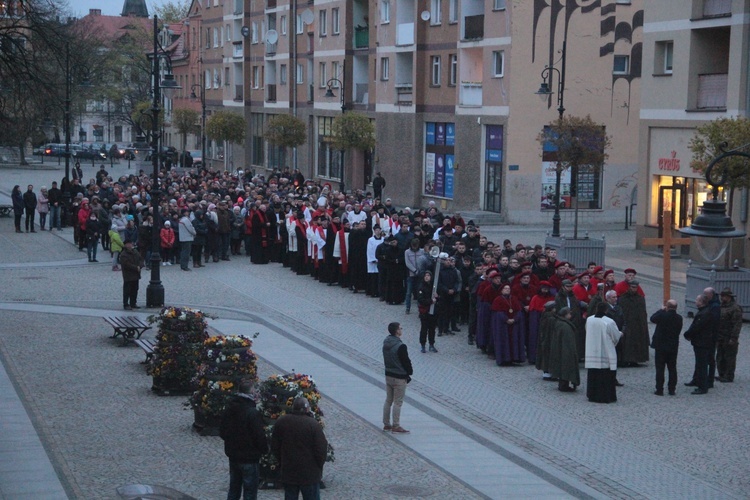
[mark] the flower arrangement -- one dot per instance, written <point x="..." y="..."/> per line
<point x="179" y="339"/>
<point x="223" y="362"/>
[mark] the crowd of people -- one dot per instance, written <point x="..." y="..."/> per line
<point x="518" y="302"/>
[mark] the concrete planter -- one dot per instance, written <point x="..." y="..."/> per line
<point x="579" y="251"/>
<point x="701" y="277"/>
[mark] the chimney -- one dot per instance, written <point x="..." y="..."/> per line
<point x="95" y="12"/>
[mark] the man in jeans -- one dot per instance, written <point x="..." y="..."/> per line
<point x="55" y="197"/>
<point x="244" y="443"/>
<point x="398" y="372"/>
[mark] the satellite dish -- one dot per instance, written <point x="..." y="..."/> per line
<point x="434" y="252"/>
<point x="308" y="17"/>
<point x="425" y="15"/>
<point x="245" y="31"/>
<point x="272" y="36"/>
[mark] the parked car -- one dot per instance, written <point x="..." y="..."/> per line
<point x="89" y="154"/>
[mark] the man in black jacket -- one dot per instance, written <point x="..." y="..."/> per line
<point x="665" y="342"/>
<point x="29" y="202"/>
<point x="54" y="195"/>
<point x="244" y="443"/>
<point x="300" y="445"/>
<point x="700" y="335"/>
<point x="398" y="371"/>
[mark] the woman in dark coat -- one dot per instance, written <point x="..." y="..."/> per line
<point x="18" y="207"/>
<point x="358" y="257"/>
<point x="563" y="363"/>
<point x="396" y="271"/>
<point x="424" y="293"/>
<point x="92" y="236"/>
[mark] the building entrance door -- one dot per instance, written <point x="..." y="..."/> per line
<point x="673" y="198"/>
<point x="493" y="181"/>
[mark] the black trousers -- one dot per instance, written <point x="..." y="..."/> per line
<point x="711" y="372"/>
<point x="702" y="361"/>
<point x="669" y="360"/>
<point x="427" y="330"/>
<point x="29" y="220"/>
<point x="129" y="293"/>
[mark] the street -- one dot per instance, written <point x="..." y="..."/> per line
<point x="477" y="430"/>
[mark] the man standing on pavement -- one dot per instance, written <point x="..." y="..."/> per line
<point x="55" y="205"/>
<point x="300" y="446"/>
<point x="398" y="371"/>
<point x="700" y="336"/>
<point x="665" y="342"/>
<point x="186" y="234"/>
<point x="29" y="203"/>
<point x="130" y="261"/>
<point x="244" y="443"/>
<point x="729" y="334"/>
<point x="378" y="183"/>
<point x="635" y="328"/>
<point x="713" y="305"/>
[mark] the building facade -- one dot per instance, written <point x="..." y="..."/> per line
<point x="696" y="70"/>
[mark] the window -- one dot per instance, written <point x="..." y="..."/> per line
<point x="435" y="7"/>
<point x="254" y="30"/>
<point x="282" y="74"/>
<point x="663" y="52"/>
<point x="453" y="11"/>
<point x="498" y="5"/>
<point x="453" y="58"/>
<point x="385" y="68"/>
<point x="227" y="33"/>
<point x="323" y="74"/>
<point x="283" y="25"/>
<point x="217" y="78"/>
<point x="208" y="38"/>
<point x="226" y="77"/>
<point x="323" y="24"/>
<point x="498" y="63"/>
<point x="300" y="74"/>
<point x="300" y="24"/>
<point x="439" y="159"/>
<point x="256" y="130"/>
<point x="329" y="159"/>
<point x="335" y="21"/>
<point x="385" y="11"/>
<point x="256" y="77"/>
<point x="221" y="36"/>
<point x="335" y="74"/>
<point x="621" y="65"/>
<point x="208" y="79"/>
<point x="435" y="71"/>
<point x="216" y="37"/>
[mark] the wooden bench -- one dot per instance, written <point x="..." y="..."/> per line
<point x="6" y="210"/>
<point x="127" y="326"/>
<point x="148" y="346"/>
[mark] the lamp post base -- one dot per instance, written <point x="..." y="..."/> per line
<point x="155" y="295"/>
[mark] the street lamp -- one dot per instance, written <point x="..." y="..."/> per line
<point x="155" y="289"/>
<point x="203" y="120"/>
<point x="545" y="91"/>
<point x="330" y="95"/>
<point x="713" y="228"/>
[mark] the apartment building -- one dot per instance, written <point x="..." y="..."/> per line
<point x="696" y="70"/>
<point x="450" y="85"/>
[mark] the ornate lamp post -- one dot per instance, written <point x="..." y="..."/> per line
<point x="329" y="95"/>
<point x="155" y="289"/>
<point x="713" y="228"/>
<point x="202" y="94"/>
<point x="545" y="91"/>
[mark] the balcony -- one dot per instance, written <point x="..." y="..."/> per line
<point x="404" y="94"/>
<point x="237" y="50"/>
<point x="360" y="90"/>
<point x="239" y="7"/>
<point x="270" y="92"/>
<point x="471" y="94"/>
<point x="717" y="8"/>
<point x="361" y="37"/>
<point x="238" y="93"/>
<point x="271" y="49"/>
<point x="712" y="91"/>
<point x="474" y="27"/>
<point x="405" y="34"/>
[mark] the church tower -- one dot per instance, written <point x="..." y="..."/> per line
<point x="134" y="8"/>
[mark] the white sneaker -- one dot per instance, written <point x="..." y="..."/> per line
<point x="163" y="264"/>
<point x="169" y="263"/>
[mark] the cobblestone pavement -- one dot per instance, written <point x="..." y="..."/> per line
<point x="643" y="446"/>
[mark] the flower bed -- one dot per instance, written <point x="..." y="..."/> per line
<point x="277" y="394"/>
<point x="179" y="341"/>
<point x="223" y="363"/>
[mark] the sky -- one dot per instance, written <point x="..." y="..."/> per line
<point x="109" y="7"/>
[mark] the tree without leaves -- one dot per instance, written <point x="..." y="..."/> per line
<point x="353" y="131"/>
<point x="172" y="12"/>
<point x="707" y="144"/>
<point x="226" y="126"/>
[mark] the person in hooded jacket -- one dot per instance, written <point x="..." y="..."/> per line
<point x="199" y="241"/>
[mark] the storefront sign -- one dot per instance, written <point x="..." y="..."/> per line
<point x="670" y="164"/>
